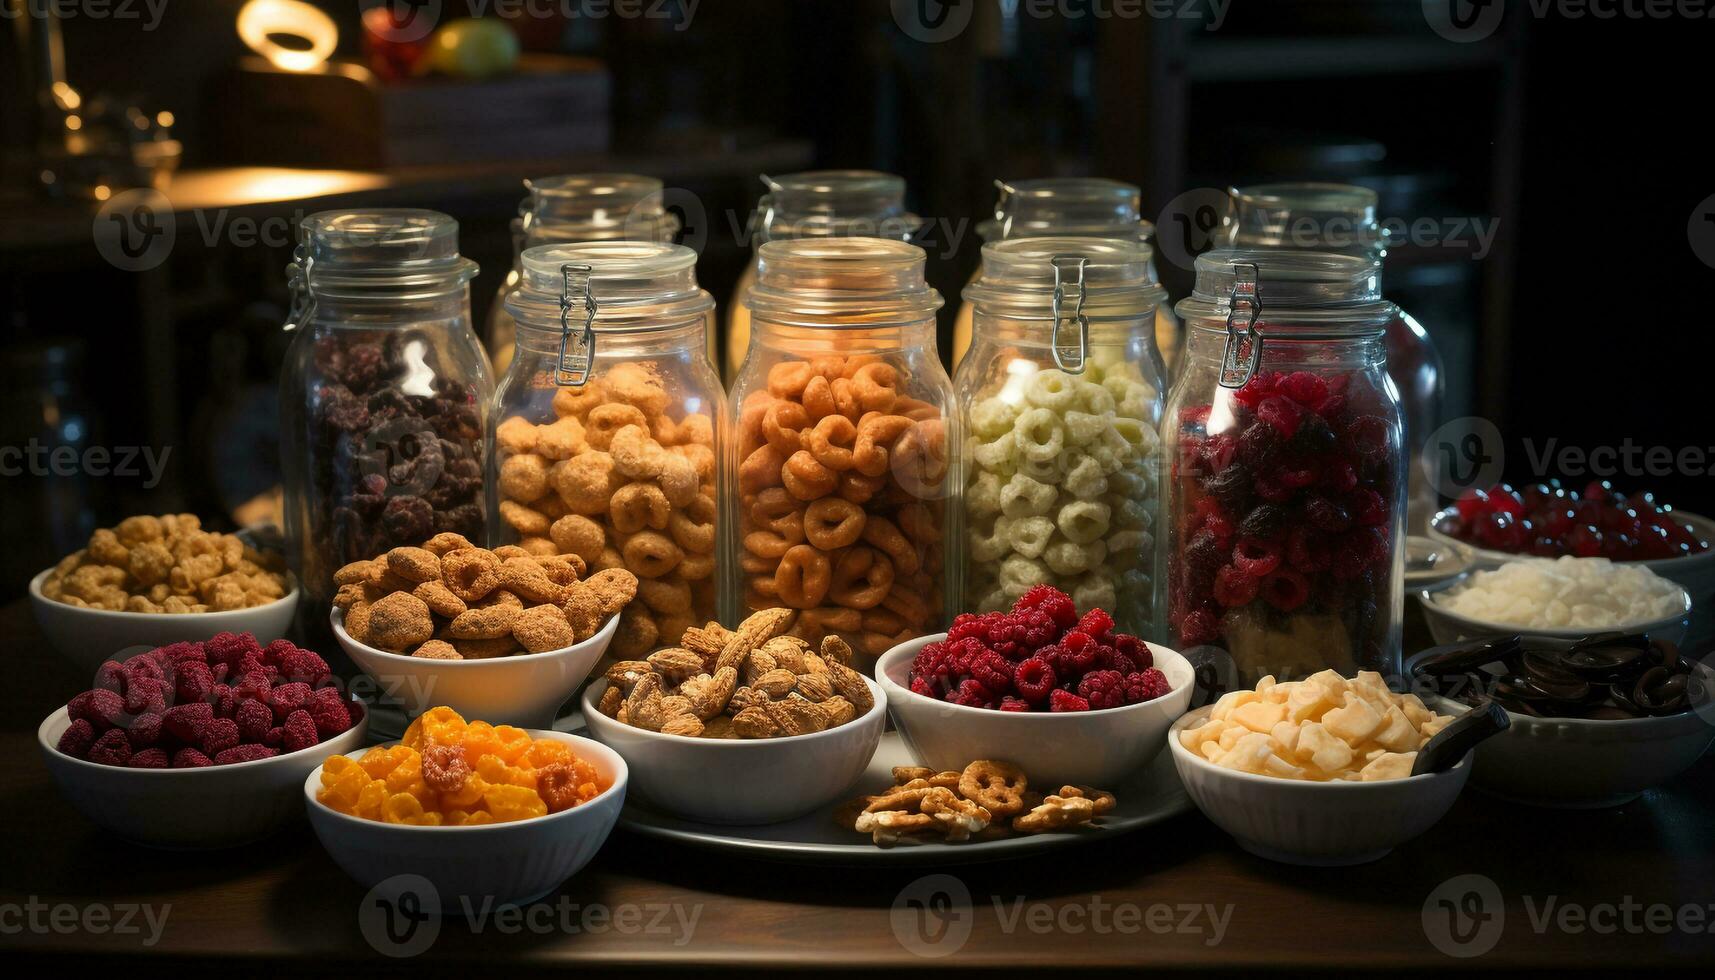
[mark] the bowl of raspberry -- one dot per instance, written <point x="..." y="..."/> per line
<point x="1042" y="686"/>
<point x="200" y="745"/>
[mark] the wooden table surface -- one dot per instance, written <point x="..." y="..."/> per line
<point x="1579" y="890"/>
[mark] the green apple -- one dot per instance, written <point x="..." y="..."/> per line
<point x="474" y="47"/>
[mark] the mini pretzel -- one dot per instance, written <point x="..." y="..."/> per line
<point x="831" y="442"/>
<point x="875" y="434"/>
<point x="1056" y="812"/>
<point x="803" y="577"/>
<point x="788" y="378"/>
<point x="998" y="787"/>
<point x="639" y="505"/>
<point x="781" y="425"/>
<point x="832" y="523"/>
<point x="651" y="554"/>
<point x="806" y="478"/>
<point x="862" y="579"/>
<point x="875" y="384"/>
<point x="885" y="536"/>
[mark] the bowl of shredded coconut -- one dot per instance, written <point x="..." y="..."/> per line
<point x="1566" y="597"/>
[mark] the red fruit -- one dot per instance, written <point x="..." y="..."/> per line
<point x="111" y="749"/>
<point x="1145" y="685"/>
<point x="1040" y="629"/>
<point x="1256" y="557"/>
<point x="1326" y="515"/>
<point x="225" y="701"/>
<point x="244" y="753"/>
<point x="920" y="685"/>
<point x="1296" y="474"/>
<point x="1208" y="516"/>
<point x="253" y="719"/>
<point x="1584" y="540"/>
<point x="288" y="698"/>
<point x="1339" y="476"/>
<point x="1286" y="589"/>
<point x="145" y="694"/>
<point x="1066" y="701"/>
<point x="145" y="730"/>
<point x="1102" y="689"/>
<point x="964" y="624"/>
<point x="77" y="738"/>
<point x="972" y="694"/>
<point x="101" y="708"/>
<point x="1369" y="436"/>
<point x="1033" y="679"/>
<point x="1501" y="531"/>
<point x="1260" y="386"/>
<point x="1308" y="551"/>
<point x="192" y="681"/>
<point x="110" y="676"/>
<point x="297" y="664"/>
<point x="1503" y="498"/>
<point x="1368" y="509"/>
<point x="1134" y="649"/>
<point x="1075" y="657"/>
<point x="1270" y="488"/>
<point x="188" y="722"/>
<point x="231" y="648"/>
<point x="1305" y="388"/>
<point x="1234" y="588"/>
<point x="149" y="759"/>
<point x="300" y="731"/>
<point x="189" y="758"/>
<point x="991" y="670"/>
<point x="1282" y="413"/>
<point x="220" y="734"/>
<point x="1598" y="491"/>
<point x="1198" y="628"/>
<point x="1096" y="622"/>
<point x="1010" y="703"/>
<point x="1046" y="598"/>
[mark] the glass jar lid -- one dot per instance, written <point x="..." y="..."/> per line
<point x="1087" y="207"/>
<point x="596" y="207"/>
<point x="1020" y="276"/>
<point x="1308" y="216"/>
<point x="834" y="204"/>
<point x="842" y="283"/>
<point x="397" y="251"/>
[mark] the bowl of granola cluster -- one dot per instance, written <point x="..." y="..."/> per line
<point x="151" y="581"/>
<point x="501" y="634"/>
<point x="746" y="726"/>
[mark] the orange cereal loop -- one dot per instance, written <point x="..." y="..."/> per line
<point x="636" y="506"/>
<point x="818" y="398"/>
<point x="861" y="579"/>
<point x="832" y="523"/>
<point x="876" y="433"/>
<point x="693" y="534"/>
<point x="562" y="439"/>
<point x="919" y="524"/>
<point x="806" y="478"/>
<point x="697" y="430"/>
<point x="846" y="401"/>
<point x="547" y="751"/>
<point x="832" y="442"/>
<point x="635" y="455"/>
<point x="578" y="401"/>
<point x="513" y="742"/>
<point x="679" y="480"/>
<point x="802" y="578"/>
<point x="886" y="537"/>
<point x="857" y="362"/>
<point x="762" y="469"/>
<point x="651" y="554"/>
<point x="876" y="384"/>
<point x="515" y="435"/>
<point x="788" y="378"/>
<point x="468" y="795"/>
<point x="524" y="477"/>
<point x="575" y="534"/>
<point x="858" y="488"/>
<point x="506" y="803"/>
<point x="701" y="458"/>
<point x="604" y="421"/>
<point x="479" y="741"/>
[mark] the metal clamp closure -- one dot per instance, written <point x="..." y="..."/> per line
<point x="1069" y="274"/>
<point x="572" y="369"/>
<point x="1243" y="354"/>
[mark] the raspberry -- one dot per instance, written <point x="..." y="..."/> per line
<point x="1102" y="689"/>
<point x="303" y="665"/>
<point x="1060" y="700"/>
<point x="77" y="738"/>
<point x="253" y="719"/>
<point x="300" y="731"/>
<point x="1357" y="551"/>
<point x="1194" y="417"/>
<point x="1134" y="649"/>
<point x="149" y="759"/>
<point x="1010" y="703"/>
<point x="254" y="684"/>
<point x="111" y="749"/>
<point x="1368" y="508"/>
<point x="143" y="668"/>
<point x="276" y="737"/>
<point x="101" y="709"/>
<point x="1327" y="515"/>
<point x="192" y="681"/>
<point x="993" y="671"/>
<point x="331" y="714"/>
<point x="1255" y="557"/>
<point x="1282" y="413"/>
<point x="188" y="722"/>
<point x="189" y="758"/>
<point x="1095" y="622"/>
<point x="1204" y="555"/>
<point x="1234" y="588"/>
<point x="1207" y="515"/>
<point x="1307" y="550"/>
<point x="1050" y="600"/>
<point x="145" y="730"/>
<point x="144" y="694"/>
<point x="920" y="685"/>
<point x="1286" y="589"/>
<point x="965" y="625"/>
<point x="110" y="676"/>
<point x="1040" y="629"/>
<point x="1198" y="628"/>
<point x="1077" y="656"/>
<point x="219" y="735"/>
<point x="1145" y="685"/>
<point x="1334" y="407"/>
<point x="1259" y="387"/>
<point x="1034" y="679"/>
<point x="231" y="648"/>
<point x="1005" y="637"/>
<point x="288" y="698"/>
<point x="972" y="694"/>
<point x="225" y="701"/>
<point x="1304" y="388"/>
<point x="244" y="753"/>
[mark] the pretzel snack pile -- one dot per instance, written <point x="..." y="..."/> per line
<point x="987" y="800"/>
<point x="841" y="500"/>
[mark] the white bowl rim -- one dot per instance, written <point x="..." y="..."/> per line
<point x="1428" y="598"/>
<point x="126" y="615"/>
<point x="65" y="711"/>
<point x="622" y="774"/>
<point x="1481" y="555"/>
<point x="590" y="710"/>
<point x="337" y="618"/>
<point x="1593" y="724"/>
<point x="1068" y="717"/>
<point x="1202" y="714"/>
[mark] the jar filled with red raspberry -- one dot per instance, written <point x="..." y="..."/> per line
<point x="1284" y="497"/>
<point x="384" y="393"/>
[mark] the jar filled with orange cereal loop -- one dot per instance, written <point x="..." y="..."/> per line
<point x="839" y="485"/>
<point x="609" y="426"/>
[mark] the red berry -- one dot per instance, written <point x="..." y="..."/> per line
<point x="244" y="753"/>
<point x="1134" y="649"/>
<point x="188" y="722"/>
<point x="1308" y="551"/>
<point x="1198" y="628"/>
<point x="1145" y="685"/>
<point x="1234" y="588"/>
<point x="1102" y="689"/>
<point x="190" y="759"/>
<point x="1282" y="413"/>
<point x="1368" y="509"/>
<point x="1095" y="622"/>
<point x="1305" y="388"/>
<point x="145" y="730"/>
<point x="964" y="624"/>
<point x="220" y="734"/>
<point x="1010" y="703"/>
<point x="1326" y="515"/>
<point x="1504" y="499"/>
<point x="149" y="759"/>
<point x="330" y="711"/>
<point x="300" y="731"/>
<point x="1286" y="589"/>
<point x="1256" y="557"/>
<point x="253" y="719"/>
<point x="1033" y="679"/>
<point x="231" y="648"/>
<point x="288" y="698"/>
<point x="1048" y="599"/>
<point x="1066" y="701"/>
<point x="110" y="676"/>
<point x="101" y="709"/>
<point x="111" y="749"/>
<point x="77" y="738"/>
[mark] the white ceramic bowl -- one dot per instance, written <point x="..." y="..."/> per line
<point x="1092" y="748"/>
<point x="1586" y="762"/>
<point x="1323" y="824"/>
<point x="191" y="809"/>
<point x="87" y="637"/>
<point x="511" y="863"/>
<point x="525" y="690"/>
<point x="1447" y="626"/>
<point x="741" y="781"/>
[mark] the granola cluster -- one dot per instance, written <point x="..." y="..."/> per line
<point x="166" y="565"/>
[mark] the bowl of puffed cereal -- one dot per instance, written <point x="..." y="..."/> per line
<point x="500" y="634"/>
<point x="151" y="581"/>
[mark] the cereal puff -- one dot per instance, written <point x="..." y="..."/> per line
<point x="166" y="565"/>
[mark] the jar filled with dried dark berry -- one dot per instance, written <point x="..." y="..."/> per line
<point x="384" y="394"/>
<point x="1284" y="498"/>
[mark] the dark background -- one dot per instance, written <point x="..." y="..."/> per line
<point x="1580" y="136"/>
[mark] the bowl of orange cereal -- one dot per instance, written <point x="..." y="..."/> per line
<point x="460" y="813"/>
<point x="500" y="634"/>
<point x="152" y="581"/>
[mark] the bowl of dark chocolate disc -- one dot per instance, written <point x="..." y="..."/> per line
<point x="1596" y="721"/>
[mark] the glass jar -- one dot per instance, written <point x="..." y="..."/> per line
<point x="1342" y="218"/>
<point x="384" y="393"/>
<point x="1061" y="399"/>
<point x="841" y="490"/>
<point x="1284" y="503"/>
<point x="608" y="427"/>
<point x="816" y="204"/>
<point x="1067" y="207"/>
<point x="576" y="208"/>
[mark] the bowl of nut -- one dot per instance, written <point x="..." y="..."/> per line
<point x="199" y="745"/>
<point x="1041" y="686"/>
<point x="1318" y="771"/>
<point x="499" y="634"/>
<point x="483" y="813"/>
<point x="745" y="726"/>
<point x="151" y="581"/>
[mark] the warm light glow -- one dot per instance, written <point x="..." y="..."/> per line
<point x="67" y="96"/>
<point x="74" y="123"/>
<point x="164" y="119"/>
<point x="102" y="192"/>
<point x="262" y="20"/>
